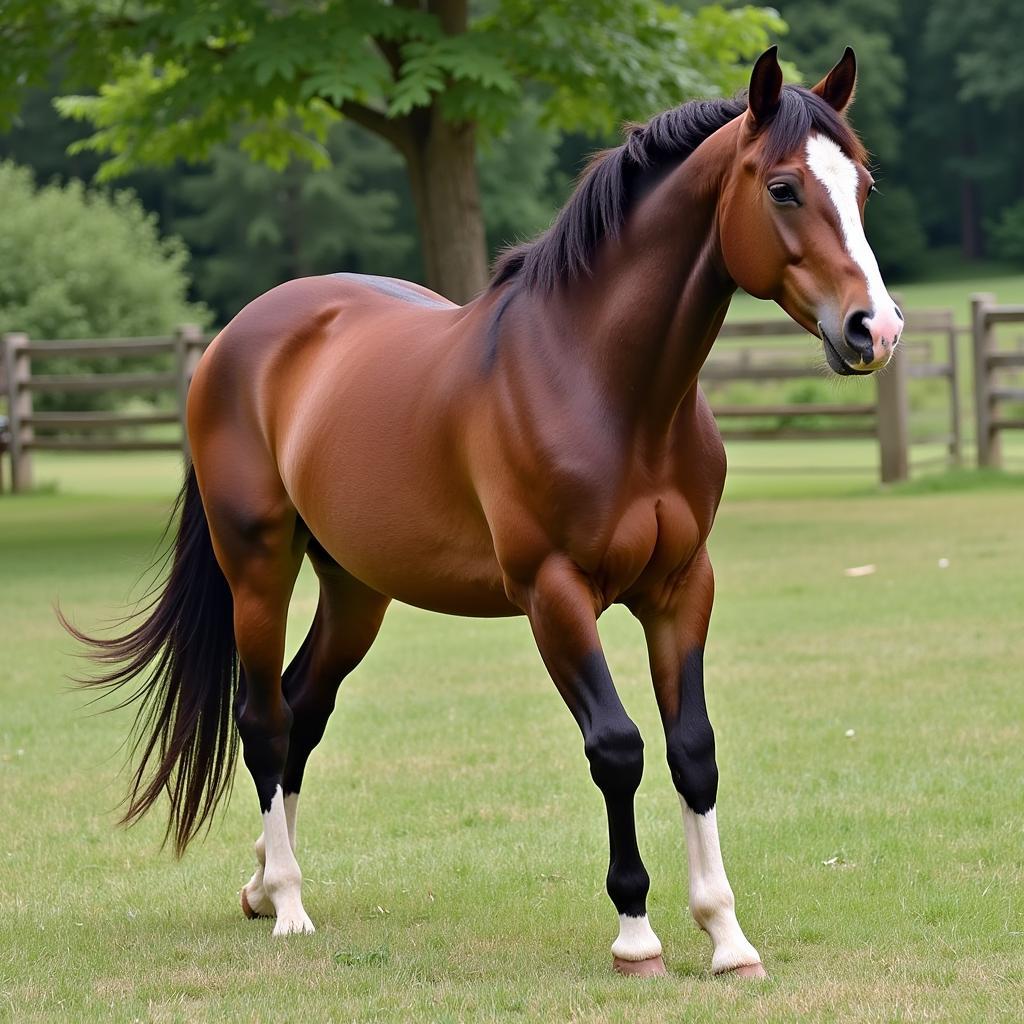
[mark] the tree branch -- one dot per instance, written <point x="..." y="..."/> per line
<point x="394" y="130"/>
<point x="452" y="14"/>
<point x="392" y="53"/>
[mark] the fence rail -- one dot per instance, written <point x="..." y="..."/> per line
<point x="886" y="418"/>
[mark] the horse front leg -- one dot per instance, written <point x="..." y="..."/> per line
<point x="563" y="615"/>
<point x="676" y="624"/>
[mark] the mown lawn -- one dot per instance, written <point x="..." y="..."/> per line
<point x="453" y="844"/>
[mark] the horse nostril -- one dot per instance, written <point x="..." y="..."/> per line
<point x="858" y="337"/>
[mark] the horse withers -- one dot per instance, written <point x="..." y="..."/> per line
<point x="544" y="450"/>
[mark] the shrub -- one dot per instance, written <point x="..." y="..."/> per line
<point x="86" y="264"/>
<point x="894" y="230"/>
<point x="78" y="263"/>
<point x="1006" y="234"/>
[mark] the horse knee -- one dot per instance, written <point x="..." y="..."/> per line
<point x="615" y="751"/>
<point x="691" y="760"/>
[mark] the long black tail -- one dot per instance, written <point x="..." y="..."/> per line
<point x="184" y="648"/>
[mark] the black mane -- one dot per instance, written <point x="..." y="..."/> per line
<point x="614" y="179"/>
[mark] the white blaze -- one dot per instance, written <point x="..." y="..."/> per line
<point x="838" y="174"/>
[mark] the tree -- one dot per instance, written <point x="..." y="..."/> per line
<point x="429" y="76"/>
<point x="250" y="227"/>
<point x="974" y="49"/>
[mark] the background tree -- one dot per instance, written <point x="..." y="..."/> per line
<point x="975" y="91"/>
<point x="817" y="34"/>
<point x="180" y="77"/>
<point x="250" y="227"/>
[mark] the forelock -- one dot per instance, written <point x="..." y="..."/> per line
<point x="802" y="113"/>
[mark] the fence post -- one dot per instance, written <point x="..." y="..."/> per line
<point x="18" y="367"/>
<point x="188" y="345"/>
<point x="893" y="431"/>
<point x="956" y="441"/>
<point x="984" y="341"/>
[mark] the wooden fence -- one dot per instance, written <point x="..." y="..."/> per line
<point x="882" y="414"/>
<point x="992" y="366"/>
<point x="30" y="431"/>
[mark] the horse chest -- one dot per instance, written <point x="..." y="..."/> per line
<point x="652" y="540"/>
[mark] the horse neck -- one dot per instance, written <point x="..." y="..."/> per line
<point x="648" y="316"/>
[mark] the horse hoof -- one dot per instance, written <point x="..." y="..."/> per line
<point x="654" y="967"/>
<point x="295" y="923"/>
<point x="248" y="909"/>
<point x="746" y="971"/>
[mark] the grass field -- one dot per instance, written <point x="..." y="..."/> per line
<point x="453" y="846"/>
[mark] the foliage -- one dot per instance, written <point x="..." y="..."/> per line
<point x="521" y="182"/>
<point x="939" y="92"/>
<point x="1007" y="234"/>
<point x="818" y="34"/>
<point x="984" y="43"/>
<point x="893" y="226"/>
<point x="251" y="228"/>
<point x="181" y="77"/>
<point x="177" y="79"/>
<point x="965" y="107"/>
<point x="85" y="264"/>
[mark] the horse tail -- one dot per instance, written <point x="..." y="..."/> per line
<point x="184" y="647"/>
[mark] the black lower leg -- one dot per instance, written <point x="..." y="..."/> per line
<point x="312" y="698"/>
<point x="628" y="882"/>
<point x="690" y="740"/>
<point x="264" y="730"/>
<point x="346" y="624"/>
<point x="616" y="753"/>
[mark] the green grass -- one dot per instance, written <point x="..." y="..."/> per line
<point x="453" y="845"/>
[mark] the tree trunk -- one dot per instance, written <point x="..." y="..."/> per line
<point x="970" y="226"/>
<point x="441" y="160"/>
<point x="446" y="193"/>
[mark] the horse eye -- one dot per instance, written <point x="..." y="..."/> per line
<point x="782" y="193"/>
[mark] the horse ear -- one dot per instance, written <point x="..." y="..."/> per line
<point x="765" y="88"/>
<point x="836" y="88"/>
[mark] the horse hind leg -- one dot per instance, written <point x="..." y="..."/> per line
<point x="346" y="623"/>
<point x="259" y="542"/>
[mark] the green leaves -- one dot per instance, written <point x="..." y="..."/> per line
<point x="177" y="78"/>
<point x="627" y="59"/>
<point x="469" y="70"/>
<point x="86" y="264"/>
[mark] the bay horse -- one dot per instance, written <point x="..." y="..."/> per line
<point x="544" y="450"/>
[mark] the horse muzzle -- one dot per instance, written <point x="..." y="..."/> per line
<point x="862" y="347"/>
